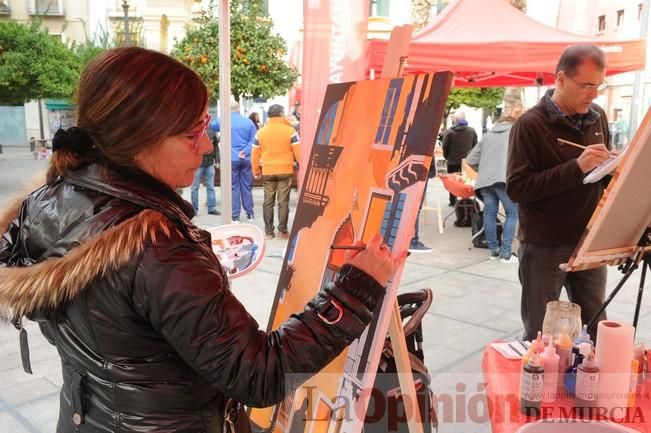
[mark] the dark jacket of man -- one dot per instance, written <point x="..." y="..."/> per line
<point x="458" y="141"/>
<point x="108" y="262"/>
<point x="544" y="177"/>
<point x="211" y="158"/>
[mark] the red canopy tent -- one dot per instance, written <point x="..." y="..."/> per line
<point x="490" y="43"/>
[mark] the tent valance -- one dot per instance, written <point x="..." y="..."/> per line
<point x="490" y="43"/>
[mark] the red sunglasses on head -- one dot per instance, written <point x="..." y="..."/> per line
<point x="199" y="132"/>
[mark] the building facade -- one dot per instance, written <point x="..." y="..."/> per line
<point x="64" y="19"/>
<point x="154" y="24"/>
<point x="605" y="19"/>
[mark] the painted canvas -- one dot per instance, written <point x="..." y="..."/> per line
<point x="366" y="174"/>
<point x="624" y="212"/>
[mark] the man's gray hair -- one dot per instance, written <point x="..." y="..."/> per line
<point x="276" y="110"/>
<point x="235" y="106"/>
<point x="459" y="115"/>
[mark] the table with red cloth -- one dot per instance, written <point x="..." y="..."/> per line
<point x="502" y="377"/>
<point x="455" y="185"/>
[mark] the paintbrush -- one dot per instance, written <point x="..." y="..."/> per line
<point x="515" y="349"/>
<point x="353" y="247"/>
<point x="519" y="340"/>
<point x="570" y="143"/>
<point x="563" y="142"/>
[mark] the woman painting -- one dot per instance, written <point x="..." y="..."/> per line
<point x="105" y="257"/>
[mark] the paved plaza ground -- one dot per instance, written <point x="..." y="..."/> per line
<point x="476" y="300"/>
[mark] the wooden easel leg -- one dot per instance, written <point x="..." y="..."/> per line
<point x="403" y="367"/>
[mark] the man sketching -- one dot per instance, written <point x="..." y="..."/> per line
<point x="545" y="179"/>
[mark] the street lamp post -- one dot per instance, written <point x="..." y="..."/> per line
<point x="127" y="35"/>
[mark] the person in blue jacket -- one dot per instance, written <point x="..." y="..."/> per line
<point x="242" y="136"/>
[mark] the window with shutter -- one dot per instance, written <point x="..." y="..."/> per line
<point x="46" y="7"/>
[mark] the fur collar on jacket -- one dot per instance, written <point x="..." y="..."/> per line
<point x="53" y="282"/>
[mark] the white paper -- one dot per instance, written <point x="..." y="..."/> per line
<point x="511" y="349"/>
<point x="604" y="168"/>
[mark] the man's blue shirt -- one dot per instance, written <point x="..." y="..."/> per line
<point x="242" y="135"/>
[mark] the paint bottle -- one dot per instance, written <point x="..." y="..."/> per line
<point x="639" y="353"/>
<point x="531" y="386"/>
<point x="539" y="342"/>
<point x="533" y="348"/>
<point x="583" y="337"/>
<point x="579" y="353"/>
<point x="550" y="379"/>
<point x="632" y="387"/>
<point x="546" y="338"/>
<point x="570" y="374"/>
<point x="587" y="383"/>
<point x="564" y="350"/>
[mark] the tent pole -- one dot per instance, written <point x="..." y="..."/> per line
<point x="225" y="108"/>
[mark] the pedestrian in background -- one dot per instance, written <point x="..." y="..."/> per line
<point x="457" y="142"/>
<point x="489" y="156"/>
<point x="207" y="171"/>
<point x="293" y="120"/>
<point x="255" y="118"/>
<point x="242" y="136"/>
<point x="276" y="147"/>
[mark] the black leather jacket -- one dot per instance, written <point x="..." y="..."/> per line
<point x="150" y="336"/>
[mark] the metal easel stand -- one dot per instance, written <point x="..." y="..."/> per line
<point x="643" y="257"/>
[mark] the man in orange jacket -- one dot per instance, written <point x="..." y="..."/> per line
<point x="275" y="148"/>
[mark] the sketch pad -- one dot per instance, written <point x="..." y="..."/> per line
<point x="604" y="168"/>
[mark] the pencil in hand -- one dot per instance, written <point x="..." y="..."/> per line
<point x="563" y="142"/>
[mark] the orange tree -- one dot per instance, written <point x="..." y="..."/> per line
<point x="258" y="68"/>
<point x="34" y="65"/>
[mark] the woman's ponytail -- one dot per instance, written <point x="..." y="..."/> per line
<point x="69" y="148"/>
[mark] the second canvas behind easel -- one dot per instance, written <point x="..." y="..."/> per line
<point x="366" y="174"/>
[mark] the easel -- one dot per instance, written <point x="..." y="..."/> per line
<point x="393" y="66"/>
<point x="642" y="255"/>
<point x="629" y="246"/>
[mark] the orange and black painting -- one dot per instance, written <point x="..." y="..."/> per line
<point x="367" y="171"/>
